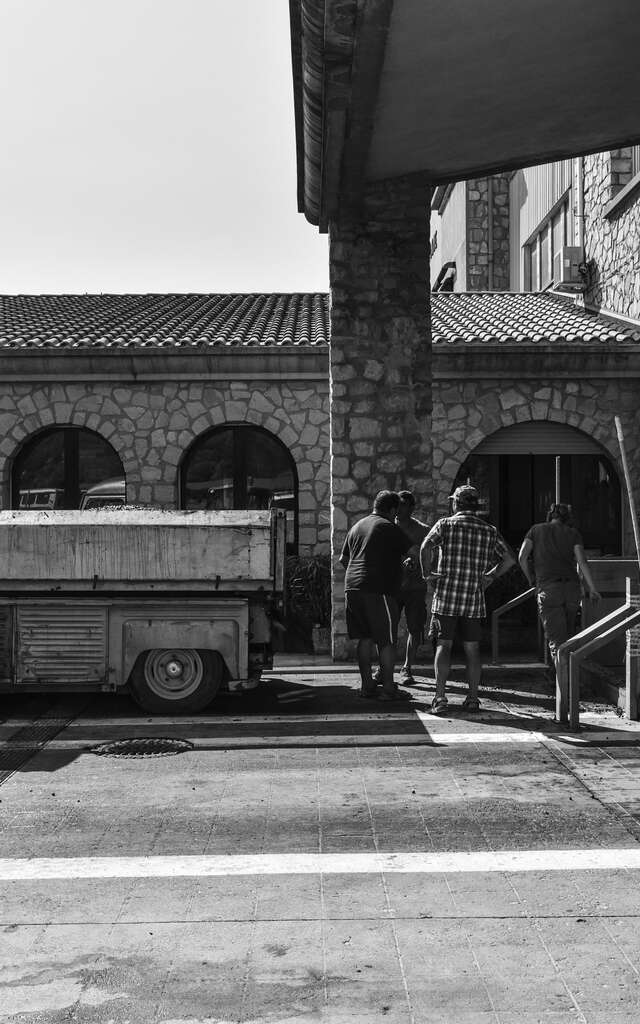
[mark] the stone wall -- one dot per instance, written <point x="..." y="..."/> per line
<point x="380" y="358"/>
<point x="465" y="412"/>
<point x="488" y="252"/>
<point x="612" y="241"/>
<point x="151" y="425"/>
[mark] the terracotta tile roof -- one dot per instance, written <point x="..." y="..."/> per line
<point x="520" y="317"/>
<point x="152" y="321"/>
<point x="272" y="320"/>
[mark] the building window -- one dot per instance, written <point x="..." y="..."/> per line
<point x="541" y="249"/>
<point x="241" y="467"/>
<point x="57" y="467"/>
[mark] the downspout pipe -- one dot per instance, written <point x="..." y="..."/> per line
<point x="578" y="174"/>
<point x="490" y="233"/>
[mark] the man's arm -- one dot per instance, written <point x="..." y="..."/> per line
<point x="507" y="561"/>
<point x="425" y="557"/>
<point x="581" y="559"/>
<point x="523" y="558"/>
<point x="344" y="554"/>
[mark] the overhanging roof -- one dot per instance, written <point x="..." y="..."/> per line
<point x="449" y="90"/>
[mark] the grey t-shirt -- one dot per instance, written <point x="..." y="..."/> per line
<point x="553" y="554"/>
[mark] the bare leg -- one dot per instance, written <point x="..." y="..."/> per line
<point x="474" y="666"/>
<point x="387" y="664"/>
<point x="364" y="652"/>
<point x="413" y="642"/>
<point x="442" y="664"/>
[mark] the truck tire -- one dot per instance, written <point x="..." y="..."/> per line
<point x="171" y="680"/>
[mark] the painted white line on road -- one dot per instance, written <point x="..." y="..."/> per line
<point x="239" y="719"/>
<point x="442" y="739"/>
<point x="44" y="868"/>
<point x="450" y="738"/>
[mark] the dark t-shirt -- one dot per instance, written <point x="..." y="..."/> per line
<point x="374" y="548"/>
<point x="553" y="554"/>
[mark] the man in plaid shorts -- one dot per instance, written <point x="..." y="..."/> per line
<point x="471" y="555"/>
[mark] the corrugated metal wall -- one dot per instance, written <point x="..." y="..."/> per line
<point x="452" y="236"/>
<point x="534" y="192"/>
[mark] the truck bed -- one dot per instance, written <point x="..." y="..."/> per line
<point x="123" y="549"/>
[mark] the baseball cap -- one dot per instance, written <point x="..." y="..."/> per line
<point x="466" y="496"/>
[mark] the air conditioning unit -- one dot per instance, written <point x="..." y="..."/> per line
<point x="568" y="266"/>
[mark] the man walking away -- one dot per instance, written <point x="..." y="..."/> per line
<point x="556" y="548"/>
<point x="471" y="555"/>
<point x="373" y="555"/>
<point x="413" y="592"/>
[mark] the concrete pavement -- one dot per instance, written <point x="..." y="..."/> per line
<point x="314" y="858"/>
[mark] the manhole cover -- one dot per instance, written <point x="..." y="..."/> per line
<point x="158" y="746"/>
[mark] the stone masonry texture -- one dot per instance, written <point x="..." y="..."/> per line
<point x="612" y="243"/>
<point x="487" y="270"/>
<point x="152" y="425"/>
<point x="380" y="358"/>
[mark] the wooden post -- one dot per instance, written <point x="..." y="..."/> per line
<point x="627" y="480"/>
<point x="632" y="659"/>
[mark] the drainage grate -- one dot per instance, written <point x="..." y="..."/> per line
<point x="158" y="746"/>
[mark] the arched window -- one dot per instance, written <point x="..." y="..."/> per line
<point x="56" y="468"/>
<point x="518" y="468"/>
<point x="241" y="466"/>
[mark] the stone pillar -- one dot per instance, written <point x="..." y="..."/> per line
<point x="380" y="361"/>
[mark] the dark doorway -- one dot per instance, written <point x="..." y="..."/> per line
<point x="519" y="488"/>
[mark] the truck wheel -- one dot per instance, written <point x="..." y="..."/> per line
<point x="172" y="680"/>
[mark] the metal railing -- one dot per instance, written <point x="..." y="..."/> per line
<point x="572" y="651"/>
<point x="497" y="614"/>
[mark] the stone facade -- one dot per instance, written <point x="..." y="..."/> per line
<point x="612" y="236"/>
<point x="583" y="393"/>
<point x="152" y="424"/>
<point x="487" y="227"/>
<point x="380" y="357"/>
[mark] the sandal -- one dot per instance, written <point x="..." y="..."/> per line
<point x="471" y="704"/>
<point x="439" y="705"/>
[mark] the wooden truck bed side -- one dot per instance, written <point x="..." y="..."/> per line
<point x="138" y="548"/>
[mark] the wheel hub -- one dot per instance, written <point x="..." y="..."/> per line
<point x="173" y="674"/>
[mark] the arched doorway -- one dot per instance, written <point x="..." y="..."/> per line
<point x="241" y="466"/>
<point x="515" y="471"/>
<point x="56" y="467"/>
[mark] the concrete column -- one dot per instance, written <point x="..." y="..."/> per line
<point x="380" y="360"/>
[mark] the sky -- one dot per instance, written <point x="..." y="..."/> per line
<point x="149" y="146"/>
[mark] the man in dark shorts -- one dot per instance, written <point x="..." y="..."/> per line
<point x="471" y="555"/>
<point x="556" y="549"/>
<point x="373" y="555"/>
<point x="412" y="598"/>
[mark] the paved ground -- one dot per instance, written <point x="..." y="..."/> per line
<point x="316" y="858"/>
